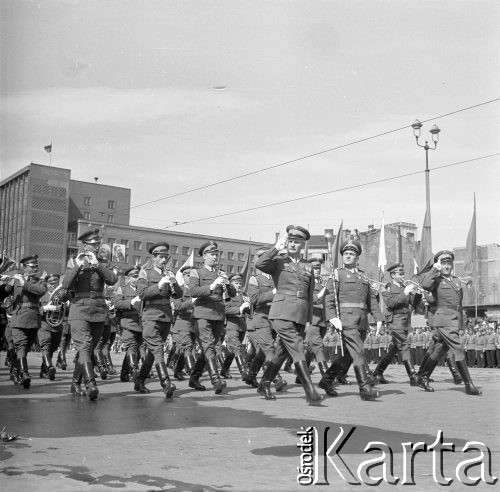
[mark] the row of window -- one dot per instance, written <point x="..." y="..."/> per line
<point x="87" y="201"/>
<point x="111" y="218"/>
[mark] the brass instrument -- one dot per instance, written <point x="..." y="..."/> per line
<point x="55" y="318"/>
<point x="467" y="281"/>
<point x="223" y="275"/>
<point x="418" y="290"/>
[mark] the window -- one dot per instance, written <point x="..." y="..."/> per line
<point x="137" y="260"/>
<point x="87" y="200"/>
<point x="241" y="256"/>
<point x="111" y="219"/>
<point x="111" y="204"/>
<point x="111" y="241"/>
<point x="126" y="257"/>
<point x="196" y="250"/>
<point x="175" y="263"/>
<point x="138" y="245"/>
<point x="185" y="250"/>
<point x="149" y="246"/>
<point x="86" y="215"/>
<point x="230" y="255"/>
<point x="174" y="249"/>
<point x="124" y="242"/>
<point x="230" y="269"/>
<point x="197" y="264"/>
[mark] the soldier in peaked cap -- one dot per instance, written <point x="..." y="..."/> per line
<point x="447" y="291"/>
<point x="156" y="287"/>
<point x="210" y="288"/>
<point x="86" y="276"/>
<point x="400" y="299"/>
<point x="26" y="289"/>
<point x="291" y="308"/>
<point x="347" y="308"/>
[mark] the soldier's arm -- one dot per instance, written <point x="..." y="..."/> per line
<point x="144" y="290"/>
<point x="374" y="306"/>
<point x="256" y="297"/>
<point x="430" y="279"/>
<point x="37" y="287"/>
<point x="392" y="300"/>
<point x="106" y="274"/>
<point x="232" y="308"/>
<point x="120" y="302"/>
<point x="70" y="274"/>
<point x="265" y="262"/>
<point x="197" y="290"/>
<point x="177" y="291"/>
<point x="311" y="296"/>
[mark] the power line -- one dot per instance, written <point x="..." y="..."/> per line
<point x="345" y="188"/>
<point x="308" y="156"/>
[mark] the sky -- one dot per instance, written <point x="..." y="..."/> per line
<point x="164" y="97"/>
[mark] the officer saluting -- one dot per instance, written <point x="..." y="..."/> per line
<point x="156" y="285"/>
<point x="292" y="307"/>
<point x="26" y="289"/>
<point x="86" y="277"/>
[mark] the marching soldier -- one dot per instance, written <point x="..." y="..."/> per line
<point x="347" y="308"/>
<point x="86" y="277"/>
<point x="447" y="291"/>
<point x="156" y="286"/>
<point x="399" y="300"/>
<point x="490" y="349"/>
<point x="236" y="309"/>
<point x="291" y="308"/>
<point x="27" y="289"/>
<point x="209" y="288"/>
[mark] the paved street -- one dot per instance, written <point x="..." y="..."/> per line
<point x="199" y="441"/>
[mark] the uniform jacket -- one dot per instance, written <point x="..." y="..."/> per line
<point x="44" y="300"/>
<point x="399" y="305"/>
<point x="234" y="319"/>
<point x="481" y="343"/>
<point x="318" y="318"/>
<point x="209" y="304"/>
<point x="260" y="291"/>
<point x="155" y="301"/>
<point x="26" y="301"/>
<point x="183" y="309"/>
<point x="472" y="342"/>
<point x="356" y="299"/>
<point x="448" y="296"/>
<point x="130" y="317"/>
<point x="294" y="283"/>
<point x="87" y="284"/>
<point x="490" y="341"/>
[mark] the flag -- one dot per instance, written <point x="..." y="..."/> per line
<point x="48" y="148"/>
<point x="382" y="260"/>
<point x="425" y="257"/>
<point x="415" y="266"/>
<point x="246" y="271"/>
<point x="190" y="263"/>
<point x="335" y="252"/>
<point x="470" y="247"/>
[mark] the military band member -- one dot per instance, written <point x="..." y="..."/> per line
<point x="399" y="300"/>
<point x="86" y="276"/>
<point x="347" y="308"/>
<point x="236" y="309"/>
<point x="128" y="306"/>
<point x="50" y="332"/>
<point x="209" y="288"/>
<point x="292" y="306"/>
<point x="26" y="289"/>
<point x="186" y="333"/>
<point x="446" y="289"/>
<point x="156" y="286"/>
<point x="490" y="348"/>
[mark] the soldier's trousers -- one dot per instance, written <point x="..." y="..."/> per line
<point x="155" y="335"/>
<point x="86" y="336"/>
<point x="353" y="340"/>
<point x="263" y="339"/>
<point x="209" y="334"/>
<point x="131" y="340"/>
<point x="49" y="340"/>
<point x="104" y="342"/>
<point x="479" y="358"/>
<point x="23" y="339"/>
<point x="399" y="338"/>
<point x="290" y="340"/>
<point x="490" y="358"/>
<point x="314" y="341"/>
<point x="234" y="340"/>
<point x="447" y="339"/>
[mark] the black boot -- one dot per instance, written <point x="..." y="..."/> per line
<point x="109" y="364"/>
<point x="142" y="374"/>
<point x="166" y="384"/>
<point x="51" y="370"/>
<point x="264" y="388"/>
<point x="89" y="378"/>
<point x="410" y="370"/>
<point x="59" y="360"/>
<point x="125" y="370"/>
<point x="15" y="376"/>
<point x="378" y="374"/>
<point x="76" y="384"/>
<point x="179" y="365"/>
<point x="288" y="365"/>
<point x="226" y="365"/>
<point x="170" y="355"/>
<point x="213" y="371"/>
<point x="450" y="362"/>
<point x="312" y="396"/>
<point x="241" y="367"/>
<point x="43" y="370"/>
<point x="101" y="365"/>
<point x="133" y="365"/>
<point x="196" y="372"/>
<point x="279" y="383"/>
<point x="366" y="392"/>
<point x="470" y="389"/>
<point x="425" y="358"/>
<point x="424" y="373"/>
<point x="11" y="357"/>
<point x="326" y="383"/>
<point x="254" y="368"/>
<point x="23" y="369"/>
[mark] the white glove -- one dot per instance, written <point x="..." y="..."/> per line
<point x="281" y="242"/>
<point x="49" y="307"/>
<point x="163" y="281"/>
<point x="379" y="325"/>
<point x="438" y="265"/>
<point x="337" y="323"/>
<point x="274" y="291"/>
<point x="409" y="289"/>
<point x="93" y="259"/>
<point x="321" y="293"/>
<point x="245" y="305"/>
<point x="216" y="282"/>
<point x="135" y="302"/>
<point x="80" y="259"/>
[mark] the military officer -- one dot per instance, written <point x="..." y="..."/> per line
<point x="347" y="308"/>
<point x="86" y="276"/>
<point x="291" y="308"/>
<point x="446" y="289"/>
<point x="399" y="300"/>
<point x="210" y="289"/>
<point x="26" y="289"/>
<point x="156" y="286"/>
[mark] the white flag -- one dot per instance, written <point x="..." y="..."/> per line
<point x="382" y="260"/>
<point x="415" y="266"/>
<point x="190" y="263"/>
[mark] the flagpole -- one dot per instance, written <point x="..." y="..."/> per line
<point x="50" y="154"/>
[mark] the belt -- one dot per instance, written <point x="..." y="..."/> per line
<point x="28" y="305"/>
<point x="159" y="302"/>
<point x="400" y="311"/>
<point x="89" y="295"/>
<point x="298" y="293"/>
<point x="360" y="305"/>
<point x="450" y="308"/>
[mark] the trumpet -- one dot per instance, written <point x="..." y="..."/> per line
<point x="418" y="290"/>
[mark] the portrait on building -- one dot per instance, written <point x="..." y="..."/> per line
<point x="119" y="252"/>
